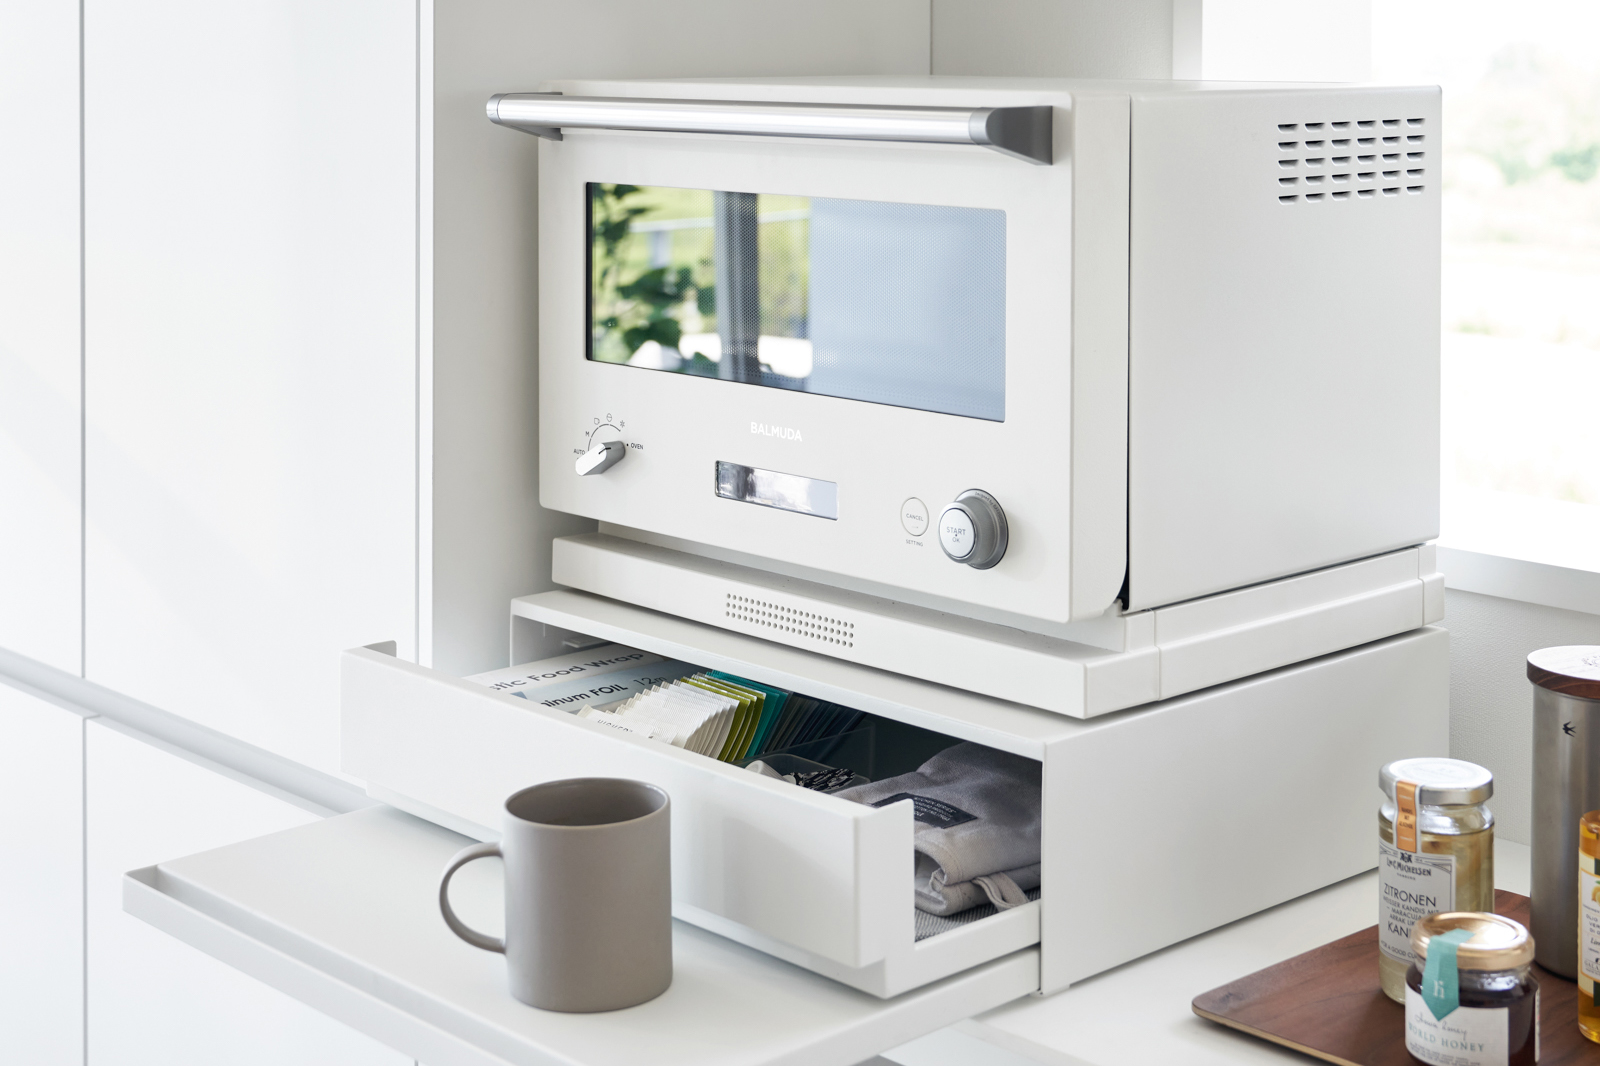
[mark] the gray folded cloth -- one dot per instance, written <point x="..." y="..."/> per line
<point x="977" y="826"/>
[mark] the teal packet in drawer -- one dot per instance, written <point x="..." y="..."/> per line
<point x="776" y="699"/>
<point x="597" y="675"/>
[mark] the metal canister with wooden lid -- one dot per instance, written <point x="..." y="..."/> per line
<point x="1566" y="785"/>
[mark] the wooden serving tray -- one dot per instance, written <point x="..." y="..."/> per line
<point x="1327" y="1004"/>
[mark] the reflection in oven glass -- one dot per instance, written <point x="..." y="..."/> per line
<point x="899" y="304"/>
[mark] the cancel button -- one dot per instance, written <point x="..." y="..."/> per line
<point x="914" y="516"/>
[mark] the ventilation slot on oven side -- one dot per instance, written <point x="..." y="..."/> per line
<point x="1366" y="156"/>
<point x="781" y="618"/>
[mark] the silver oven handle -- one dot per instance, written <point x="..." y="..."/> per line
<point x="1022" y="132"/>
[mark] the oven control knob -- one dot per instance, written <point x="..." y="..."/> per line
<point x="973" y="530"/>
<point x="601" y="457"/>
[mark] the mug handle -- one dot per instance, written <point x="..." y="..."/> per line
<point x="457" y="926"/>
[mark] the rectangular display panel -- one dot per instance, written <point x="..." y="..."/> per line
<point x="786" y="492"/>
<point x="898" y="304"/>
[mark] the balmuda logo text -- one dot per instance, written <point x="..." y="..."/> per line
<point x="781" y="432"/>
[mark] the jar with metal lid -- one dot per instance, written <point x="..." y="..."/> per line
<point x="1435" y="853"/>
<point x="1471" y="998"/>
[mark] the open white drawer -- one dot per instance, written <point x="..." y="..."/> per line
<point x="1129" y="799"/>
<point x="818" y="880"/>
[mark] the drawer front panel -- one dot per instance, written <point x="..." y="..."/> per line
<point x="823" y="874"/>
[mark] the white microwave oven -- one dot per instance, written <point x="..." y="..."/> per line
<point x="1017" y="349"/>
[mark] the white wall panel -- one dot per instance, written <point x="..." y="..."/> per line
<point x="41" y="894"/>
<point x="1491" y="699"/>
<point x="40" y="557"/>
<point x="152" y="1000"/>
<point x="1055" y="38"/>
<point x="1219" y="40"/>
<point x="251" y="354"/>
<point x="1286" y="40"/>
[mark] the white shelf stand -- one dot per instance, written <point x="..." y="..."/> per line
<point x="342" y="914"/>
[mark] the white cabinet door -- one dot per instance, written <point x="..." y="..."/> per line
<point x="251" y="354"/>
<point x="41" y="894"/>
<point x="151" y="999"/>
<point x="40" y="561"/>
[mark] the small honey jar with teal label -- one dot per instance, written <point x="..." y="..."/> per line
<point x="1471" y="996"/>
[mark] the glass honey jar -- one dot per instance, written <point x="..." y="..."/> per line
<point x="1471" y="997"/>
<point x="1435" y="853"/>
<point x="1588" y="923"/>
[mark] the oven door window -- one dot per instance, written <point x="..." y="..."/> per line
<point x="898" y="304"/>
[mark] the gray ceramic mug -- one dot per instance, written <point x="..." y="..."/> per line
<point x="588" y="894"/>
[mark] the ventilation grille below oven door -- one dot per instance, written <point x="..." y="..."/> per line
<point x="774" y="617"/>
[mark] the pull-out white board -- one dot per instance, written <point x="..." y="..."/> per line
<point x="343" y="915"/>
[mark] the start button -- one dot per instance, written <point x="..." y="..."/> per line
<point x="914" y="516"/>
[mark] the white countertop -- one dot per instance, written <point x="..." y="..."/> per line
<point x="1139" y="1014"/>
<point x="340" y="914"/>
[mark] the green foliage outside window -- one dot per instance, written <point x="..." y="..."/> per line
<point x="633" y="301"/>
